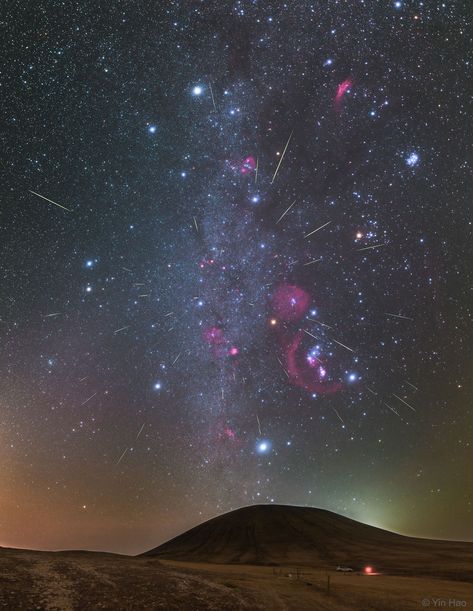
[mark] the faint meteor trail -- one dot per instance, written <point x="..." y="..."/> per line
<point x="279" y="360"/>
<point x="139" y="432"/>
<point x="370" y="247"/>
<point x="313" y="261"/>
<point x="398" y="316"/>
<point x="338" y="415"/>
<point x="343" y="345"/>
<point x="308" y="333"/>
<point x="256" y="170"/>
<point x="196" y="226"/>
<point x="317" y="322"/>
<point x="127" y="270"/>
<point x="87" y="400"/>
<point x="282" y="157"/>
<point x="175" y="360"/>
<point x="50" y="200"/>
<point x="51" y="315"/>
<point x="412" y="385"/>
<point x="318" y="229"/>
<point x="259" y="425"/>
<point x="285" y="212"/>
<point x="121" y="457"/>
<point x="405" y="403"/>
<point x="121" y="329"/>
<point x="391" y="408"/>
<point x="372" y="391"/>
<point x="212" y="94"/>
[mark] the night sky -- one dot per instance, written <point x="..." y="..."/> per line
<point x="251" y="279"/>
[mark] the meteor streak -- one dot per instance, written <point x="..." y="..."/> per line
<point x="405" y="403"/>
<point x="50" y="200"/>
<point x="87" y="400"/>
<point x="285" y="212"/>
<point x="121" y="457"/>
<point x="370" y="247"/>
<point x="318" y="229"/>
<point x="343" y="345"/>
<point x="398" y="316"/>
<point x="282" y="157"/>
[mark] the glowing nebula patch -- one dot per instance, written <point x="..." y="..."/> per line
<point x="247" y="165"/>
<point x="303" y="373"/>
<point x="219" y="344"/>
<point x="290" y="302"/>
<point x="214" y="336"/>
<point x="341" y="90"/>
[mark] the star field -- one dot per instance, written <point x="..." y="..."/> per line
<point x="236" y="245"/>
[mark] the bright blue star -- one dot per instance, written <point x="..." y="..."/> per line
<point x="197" y="90"/>
<point x="152" y="129"/>
<point x="328" y="62"/>
<point x="157" y="386"/>
<point x="89" y="263"/>
<point x="352" y="377"/>
<point x="263" y="447"/>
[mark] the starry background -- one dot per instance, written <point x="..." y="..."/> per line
<point x="173" y="342"/>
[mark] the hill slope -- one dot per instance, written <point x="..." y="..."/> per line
<point x="278" y="534"/>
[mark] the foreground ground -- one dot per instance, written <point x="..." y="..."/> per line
<point x="83" y="580"/>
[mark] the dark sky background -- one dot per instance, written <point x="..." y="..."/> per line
<point x="174" y="343"/>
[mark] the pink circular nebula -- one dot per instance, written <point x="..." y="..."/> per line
<point x="290" y="302"/>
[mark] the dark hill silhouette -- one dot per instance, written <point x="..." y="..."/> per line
<point x="288" y="535"/>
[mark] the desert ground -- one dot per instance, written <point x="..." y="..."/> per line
<point x="85" y="581"/>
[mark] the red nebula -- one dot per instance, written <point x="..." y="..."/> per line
<point x="229" y="433"/>
<point x="219" y="344"/>
<point x="244" y="166"/>
<point x="205" y="262"/>
<point x="301" y="373"/>
<point x="290" y="302"/>
<point x="247" y="165"/>
<point x="341" y="90"/>
<point x="214" y="336"/>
